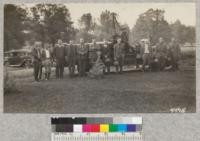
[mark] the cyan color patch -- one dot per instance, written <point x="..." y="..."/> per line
<point x="122" y="128"/>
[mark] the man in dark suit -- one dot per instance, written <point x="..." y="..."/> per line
<point x="161" y="51"/>
<point x="59" y="55"/>
<point x="106" y="56"/>
<point x="146" y="53"/>
<point x="71" y="57"/>
<point x="46" y="60"/>
<point x="37" y="61"/>
<point x="138" y="52"/>
<point x="174" y="53"/>
<point x="92" y="50"/>
<point x="82" y="55"/>
<point x="119" y="55"/>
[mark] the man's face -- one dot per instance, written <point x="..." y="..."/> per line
<point x="81" y="40"/>
<point x="46" y="46"/>
<point x="59" y="41"/>
<point x="160" y="40"/>
<point x="105" y="42"/>
<point x="142" y="42"/>
<point x="37" y="45"/>
<point x="119" y="40"/>
<point x="173" y="39"/>
<point x="105" y="45"/>
<point x="71" y="42"/>
<point x="146" y="42"/>
<point x="93" y="41"/>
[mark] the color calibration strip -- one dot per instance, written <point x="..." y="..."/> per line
<point x="98" y="129"/>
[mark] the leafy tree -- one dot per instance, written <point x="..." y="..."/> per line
<point x="87" y="25"/>
<point x="14" y="19"/>
<point x="87" y="22"/>
<point x="125" y="33"/>
<point x="109" y="24"/>
<point x="151" y="24"/>
<point x="52" y="21"/>
<point x="191" y="34"/>
<point x="183" y="33"/>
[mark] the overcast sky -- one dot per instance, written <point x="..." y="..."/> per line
<point x="129" y="12"/>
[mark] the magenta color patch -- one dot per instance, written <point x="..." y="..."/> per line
<point x="87" y="128"/>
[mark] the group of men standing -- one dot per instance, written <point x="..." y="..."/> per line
<point x="42" y="57"/>
<point x="87" y="56"/>
<point x="158" y="57"/>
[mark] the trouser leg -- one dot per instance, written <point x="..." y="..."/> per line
<point x="61" y="69"/>
<point x="144" y="61"/>
<point x="48" y="70"/>
<point x="162" y="63"/>
<point x="121" y="63"/>
<point x="40" y="70"/>
<point x="36" y="70"/>
<point x="175" y="64"/>
<point x="108" y="68"/>
<point x="49" y="74"/>
<point x="73" y="67"/>
<point x="137" y="63"/>
<point x="70" y="68"/>
<point x="80" y="67"/>
<point x="117" y="68"/>
<point x="57" y="70"/>
<point x="84" y="67"/>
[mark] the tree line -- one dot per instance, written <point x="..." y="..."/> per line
<point x="48" y="22"/>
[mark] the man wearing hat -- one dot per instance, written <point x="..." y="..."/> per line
<point x="82" y="55"/>
<point x="46" y="60"/>
<point x="92" y="52"/>
<point x="174" y="53"/>
<point x="59" y="54"/>
<point x="146" y="53"/>
<point x="71" y="55"/>
<point x="106" y="56"/>
<point x="119" y="55"/>
<point x="161" y="51"/>
<point x="37" y="61"/>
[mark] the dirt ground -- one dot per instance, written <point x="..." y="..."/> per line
<point x="131" y="92"/>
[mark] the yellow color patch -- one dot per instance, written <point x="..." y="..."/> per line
<point x="104" y="128"/>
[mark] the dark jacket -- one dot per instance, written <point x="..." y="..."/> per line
<point x="119" y="50"/>
<point x="106" y="52"/>
<point x="59" y="52"/>
<point x="82" y="51"/>
<point x="143" y="49"/>
<point x="71" y="51"/>
<point x="92" y="50"/>
<point x="44" y="54"/>
<point x="174" y="51"/>
<point x="37" y="55"/>
<point x="161" y="49"/>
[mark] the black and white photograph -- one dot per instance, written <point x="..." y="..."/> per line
<point x="95" y="58"/>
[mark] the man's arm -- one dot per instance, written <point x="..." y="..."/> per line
<point x="114" y="49"/>
<point x="34" y="54"/>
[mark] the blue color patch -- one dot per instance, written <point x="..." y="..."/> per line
<point x="131" y="127"/>
<point x="122" y="128"/>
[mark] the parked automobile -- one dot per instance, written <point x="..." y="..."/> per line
<point x="18" y="58"/>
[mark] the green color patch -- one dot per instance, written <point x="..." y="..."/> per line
<point x="113" y="128"/>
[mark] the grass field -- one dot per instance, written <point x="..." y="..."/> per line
<point x="130" y="92"/>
